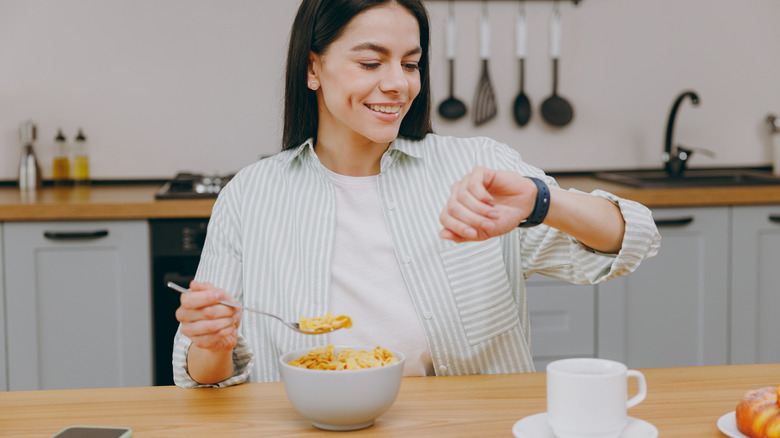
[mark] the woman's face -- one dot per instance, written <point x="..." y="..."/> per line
<point x="368" y="77"/>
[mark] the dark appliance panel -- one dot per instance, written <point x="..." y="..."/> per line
<point x="176" y="245"/>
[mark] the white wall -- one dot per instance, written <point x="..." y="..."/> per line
<point x="166" y="85"/>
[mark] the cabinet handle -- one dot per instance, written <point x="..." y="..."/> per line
<point x="774" y="218"/>
<point x="675" y="222"/>
<point x="70" y="235"/>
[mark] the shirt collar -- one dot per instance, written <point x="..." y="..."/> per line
<point x="402" y="145"/>
<point x="298" y="150"/>
<point x="409" y="147"/>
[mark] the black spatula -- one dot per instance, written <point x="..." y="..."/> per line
<point x="522" y="109"/>
<point x="556" y="110"/>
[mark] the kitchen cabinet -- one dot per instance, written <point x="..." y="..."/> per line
<point x="562" y="320"/>
<point x="755" y="285"/>
<point x="673" y="310"/>
<point x="3" y="382"/>
<point x="78" y="304"/>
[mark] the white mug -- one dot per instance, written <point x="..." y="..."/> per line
<point x="586" y="397"/>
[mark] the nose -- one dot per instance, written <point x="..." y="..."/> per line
<point x="394" y="80"/>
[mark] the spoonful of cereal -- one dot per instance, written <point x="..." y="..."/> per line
<point x="307" y="326"/>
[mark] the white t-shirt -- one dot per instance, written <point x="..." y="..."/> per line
<point x="367" y="283"/>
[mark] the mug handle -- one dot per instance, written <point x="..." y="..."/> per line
<point x="635" y="400"/>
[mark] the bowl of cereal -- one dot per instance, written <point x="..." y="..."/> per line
<point x="342" y="388"/>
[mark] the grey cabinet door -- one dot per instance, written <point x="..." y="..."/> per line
<point x="78" y="304"/>
<point x="673" y="310"/>
<point x="755" y="289"/>
<point x="3" y="358"/>
<point x="562" y="320"/>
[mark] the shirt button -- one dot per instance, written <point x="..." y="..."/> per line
<point x="428" y="315"/>
<point x="407" y="259"/>
<point x="391" y="205"/>
<point x="442" y="369"/>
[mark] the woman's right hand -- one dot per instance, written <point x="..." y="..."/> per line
<point x="209" y="324"/>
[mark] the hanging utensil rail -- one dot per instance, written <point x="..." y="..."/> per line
<point x="576" y="2"/>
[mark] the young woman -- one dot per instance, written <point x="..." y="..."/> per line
<point x="424" y="240"/>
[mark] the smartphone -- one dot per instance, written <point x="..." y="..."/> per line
<point x="94" y="432"/>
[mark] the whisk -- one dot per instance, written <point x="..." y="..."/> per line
<point x="484" y="99"/>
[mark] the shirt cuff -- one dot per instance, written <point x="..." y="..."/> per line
<point x="641" y="239"/>
<point x="243" y="361"/>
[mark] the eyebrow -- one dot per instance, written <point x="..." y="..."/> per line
<point x="383" y="50"/>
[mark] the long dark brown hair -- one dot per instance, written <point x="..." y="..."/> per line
<point x="319" y="23"/>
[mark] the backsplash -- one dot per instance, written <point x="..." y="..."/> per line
<point x="196" y="85"/>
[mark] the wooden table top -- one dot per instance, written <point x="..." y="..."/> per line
<point x="681" y="402"/>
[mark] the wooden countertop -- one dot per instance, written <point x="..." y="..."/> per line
<point x="681" y="402"/>
<point x="680" y="197"/>
<point x="136" y="201"/>
<point x="97" y="202"/>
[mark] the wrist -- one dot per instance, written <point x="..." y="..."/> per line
<point x="541" y="205"/>
<point x="206" y="366"/>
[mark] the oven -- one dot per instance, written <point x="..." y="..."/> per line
<point x="176" y="245"/>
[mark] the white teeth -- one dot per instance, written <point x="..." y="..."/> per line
<point x="385" y="109"/>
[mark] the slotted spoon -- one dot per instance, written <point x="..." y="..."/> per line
<point x="484" y="99"/>
<point x="293" y="325"/>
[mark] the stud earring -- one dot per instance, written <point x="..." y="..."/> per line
<point x="314" y="85"/>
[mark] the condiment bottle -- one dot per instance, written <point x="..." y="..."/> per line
<point x="29" y="171"/>
<point x="774" y="132"/>
<point x="80" y="159"/>
<point x="60" y="166"/>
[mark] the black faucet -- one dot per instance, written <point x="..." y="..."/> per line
<point x="674" y="158"/>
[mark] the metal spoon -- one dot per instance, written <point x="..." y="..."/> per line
<point x="522" y="103"/>
<point x="451" y="108"/>
<point x="293" y="325"/>
<point x="556" y="110"/>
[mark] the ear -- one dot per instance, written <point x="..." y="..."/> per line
<point x="314" y="68"/>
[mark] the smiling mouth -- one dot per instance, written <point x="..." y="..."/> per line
<point x="385" y="109"/>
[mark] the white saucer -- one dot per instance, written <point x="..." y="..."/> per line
<point x="728" y="425"/>
<point x="536" y="426"/>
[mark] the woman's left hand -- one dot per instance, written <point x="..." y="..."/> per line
<point x="486" y="203"/>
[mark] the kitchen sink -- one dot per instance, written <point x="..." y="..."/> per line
<point x="648" y="179"/>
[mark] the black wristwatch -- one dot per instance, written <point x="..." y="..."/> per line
<point x="541" y="207"/>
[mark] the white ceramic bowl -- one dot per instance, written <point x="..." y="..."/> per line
<point x="341" y="399"/>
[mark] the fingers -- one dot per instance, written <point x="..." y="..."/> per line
<point x="464" y="225"/>
<point x="203" y="319"/>
<point x="215" y="311"/>
<point x="470" y="210"/>
<point x="449" y="235"/>
<point x="208" y="327"/>
<point x="200" y="286"/>
<point x="225" y="339"/>
<point x="204" y="295"/>
<point x="473" y="189"/>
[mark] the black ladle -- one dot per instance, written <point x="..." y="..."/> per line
<point x="522" y="110"/>
<point x="556" y="110"/>
<point x="451" y="108"/>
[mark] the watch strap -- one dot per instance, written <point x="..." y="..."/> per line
<point x="541" y="207"/>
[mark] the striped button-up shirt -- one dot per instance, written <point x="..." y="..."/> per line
<point x="270" y="241"/>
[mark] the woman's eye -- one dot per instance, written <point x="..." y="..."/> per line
<point x="369" y="65"/>
<point x="412" y="66"/>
